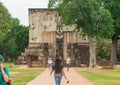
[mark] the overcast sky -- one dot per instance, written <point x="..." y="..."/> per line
<point x="19" y="8"/>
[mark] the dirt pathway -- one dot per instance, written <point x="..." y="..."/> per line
<point x="72" y="76"/>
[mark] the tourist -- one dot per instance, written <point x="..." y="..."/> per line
<point x="4" y="73"/>
<point x="61" y="59"/>
<point x="49" y="63"/>
<point x="68" y="63"/>
<point x="58" y="71"/>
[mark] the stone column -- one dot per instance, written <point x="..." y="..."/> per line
<point x="65" y="46"/>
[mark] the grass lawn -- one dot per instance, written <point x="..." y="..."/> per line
<point x="21" y="76"/>
<point x="101" y="76"/>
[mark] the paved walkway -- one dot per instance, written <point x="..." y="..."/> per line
<point x="72" y="76"/>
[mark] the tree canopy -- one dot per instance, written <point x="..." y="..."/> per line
<point x="5" y="19"/>
<point x="13" y="35"/>
<point x="114" y="6"/>
<point x="13" y="42"/>
<point x="88" y="15"/>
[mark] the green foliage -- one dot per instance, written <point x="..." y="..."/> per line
<point x="15" y="41"/>
<point x="114" y="6"/>
<point x="103" y="49"/>
<point x="20" y="33"/>
<point x="5" y="19"/>
<point x="13" y="36"/>
<point x="88" y="15"/>
<point x="7" y="46"/>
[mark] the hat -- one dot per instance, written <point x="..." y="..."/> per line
<point x="1" y="59"/>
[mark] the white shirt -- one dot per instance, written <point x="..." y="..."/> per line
<point x="68" y="61"/>
<point x="49" y="61"/>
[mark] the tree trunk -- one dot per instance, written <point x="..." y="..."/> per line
<point x="92" y="60"/>
<point x="113" y="50"/>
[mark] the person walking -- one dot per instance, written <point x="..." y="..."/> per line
<point x="68" y="63"/>
<point x="50" y="63"/>
<point x="58" y="71"/>
<point x="4" y="73"/>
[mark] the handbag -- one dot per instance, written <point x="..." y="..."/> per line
<point x="9" y="82"/>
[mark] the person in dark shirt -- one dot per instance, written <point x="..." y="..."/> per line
<point x="58" y="71"/>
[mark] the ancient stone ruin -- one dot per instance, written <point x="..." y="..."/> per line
<point x="49" y="38"/>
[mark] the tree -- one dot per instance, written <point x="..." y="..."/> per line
<point x="103" y="48"/>
<point x="20" y="35"/>
<point x="88" y="15"/>
<point x="114" y="6"/>
<point x="5" y="19"/>
<point x="13" y="35"/>
<point x="14" y="41"/>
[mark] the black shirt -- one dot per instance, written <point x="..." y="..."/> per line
<point x="58" y="68"/>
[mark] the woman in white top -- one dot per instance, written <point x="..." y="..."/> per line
<point x="49" y="63"/>
<point x="68" y="63"/>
